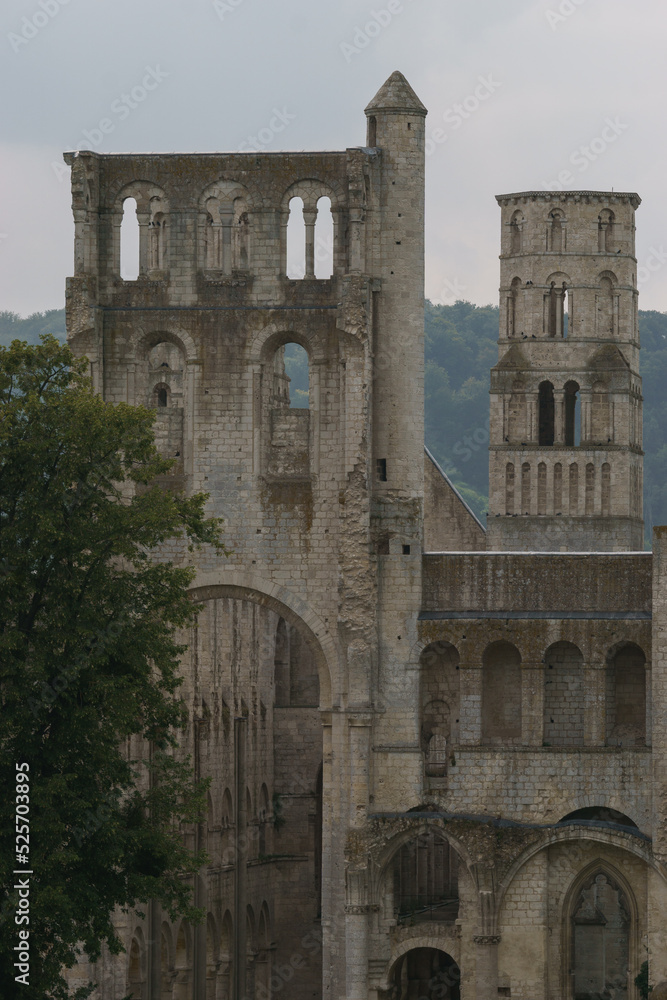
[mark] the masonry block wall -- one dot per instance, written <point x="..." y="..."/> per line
<point x="565" y="449"/>
<point x="434" y="773"/>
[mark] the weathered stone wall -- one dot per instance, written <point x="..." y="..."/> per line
<point x="449" y="524"/>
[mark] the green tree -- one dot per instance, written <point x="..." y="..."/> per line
<point x="89" y="621"/>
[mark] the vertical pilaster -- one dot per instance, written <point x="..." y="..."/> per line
<point x="532" y="703"/>
<point x="595" y="683"/>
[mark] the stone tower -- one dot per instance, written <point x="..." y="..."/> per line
<point x="566" y="422"/>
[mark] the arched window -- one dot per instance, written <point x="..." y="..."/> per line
<point x="226" y="953"/>
<point x="526" y="490"/>
<point x="606" y="318"/>
<point x="211" y="957"/>
<point x="542" y="488"/>
<point x="263" y="960"/>
<point x="601" y="921"/>
<point x="589" y="502"/>
<point x="516" y="228"/>
<point x="574" y="489"/>
<point x="426" y="880"/>
<point x="324" y="239"/>
<point x="371" y="132"/>
<point x="251" y="951"/>
<point x="296" y="369"/>
<point x="161" y="394"/>
<point x="183" y="963"/>
<point x="263" y="817"/>
<point x="157" y="243"/>
<point x="427" y="973"/>
<point x="605" y="231"/>
<point x="241" y="238"/>
<point x="546" y="413"/>
<point x="509" y="488"/>
<point x="513" y="308"/>
<point x="606" y="489"/>
<point x="166" y="959"/>
<point x="129" y="241"/>
<point x="296" y="240"/>
<point x="563" y="696"/>
<point x="213" y="235"/>
<point x="558" y="488"/>
<point x="572" y="415"/>
<point x="501" y="694"/>
<point x="556" y="231"/>
<point x="440" y="703"/>
<point x="556" y="305"/>
<point x="136" y="978"/>
<point x="599" y="814"/>
<point x="626" y="697"/>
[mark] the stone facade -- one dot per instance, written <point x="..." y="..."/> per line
<point x="437" y="759"/>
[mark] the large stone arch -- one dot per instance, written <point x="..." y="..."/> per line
<point x="632" y="844"/>
<point x="449" y="945"/>
<point x="295" y="611"/>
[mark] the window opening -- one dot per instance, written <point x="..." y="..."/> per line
<point x="129" y="241"/>
<point x="296" y="240"/>
<point x="324" y="238"/>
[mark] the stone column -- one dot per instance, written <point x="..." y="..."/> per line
<point x="559" y="416"/>
<point x="532" y="703"/>
<point x="227" y="218"/>
<point x="356" y="952"/>
<point x="470" y="716"/>
<point x="309" y="218"/>
<point x="533" y="416"/>
<point x="659" y="695"/>
<point x="595" y="703"/>
<point x="143" y="218"/>
<point x="356" y="219"/>
<point x="240" y="858"/>
<point x="486" y="966"/>
<point x="586" y="397"/>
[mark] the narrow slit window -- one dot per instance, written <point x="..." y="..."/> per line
<point x="129" y="241"/>
<point x="381" y="470"/>
<point x="296" y="240"/>
<point x="324" y="239"/>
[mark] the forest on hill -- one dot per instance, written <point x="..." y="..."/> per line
<point x="461" y="347"/>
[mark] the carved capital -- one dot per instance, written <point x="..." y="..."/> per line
<point x="487" y="939"/>
<point x="359" y="909"/>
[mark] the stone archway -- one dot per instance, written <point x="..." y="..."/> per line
<point x="425" y="974"/>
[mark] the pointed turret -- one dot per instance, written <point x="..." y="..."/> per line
<point x="396" y="94"/>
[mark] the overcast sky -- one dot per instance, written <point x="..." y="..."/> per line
<point x="544" y="88"/>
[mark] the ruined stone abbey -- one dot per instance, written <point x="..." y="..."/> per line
<point x="438" y="749"/>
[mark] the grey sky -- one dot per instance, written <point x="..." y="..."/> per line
<point x="537" y="81"/>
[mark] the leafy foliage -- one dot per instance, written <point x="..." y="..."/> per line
<point x="88" y="659"/>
